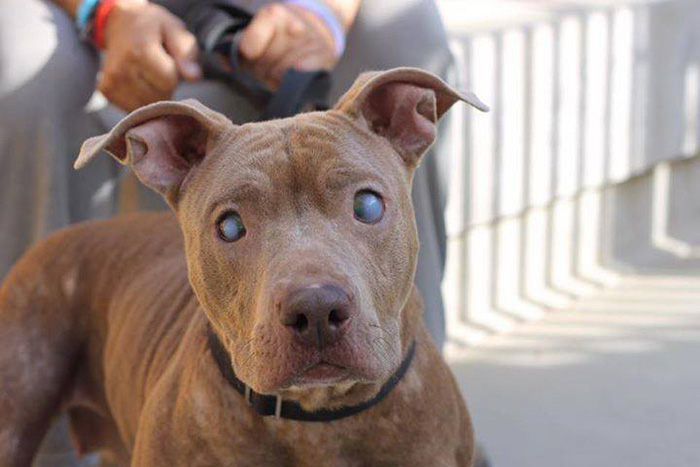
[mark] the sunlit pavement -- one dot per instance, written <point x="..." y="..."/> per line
<point x="614" y="381"/>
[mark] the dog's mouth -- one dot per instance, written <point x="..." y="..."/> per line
<point x="320" y="373"/>
<point x="323" y="370"/>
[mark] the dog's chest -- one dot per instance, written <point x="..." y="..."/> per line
<point x="385" y="440"/>
<point x="236" y="433"/>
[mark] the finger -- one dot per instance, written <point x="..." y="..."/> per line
<point x="128" y="90"/>
<point x="288" y="35"/>
<point x="159" y="69"/>
<point x="144" y="91"/>
<point x="315" y="60"/>
<point x="258" y="34"/>
<point x="138" y="93"/>
<point x="108" y="84"/>
<point x="182" y="47"/>
<point x="285" y="62"/>
<point x="309" y="58"/>
<point x="279" y="47"/>
<point x="295" y="26"/>
<point x="287" y="39"/>
<point x="117" y="97"/>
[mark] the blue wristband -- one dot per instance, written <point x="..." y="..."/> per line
<point x="327" y="16"/>
<point x="86" y="10"/>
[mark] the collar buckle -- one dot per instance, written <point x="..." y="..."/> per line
<point x="278" y="407"/>
<point x="247" y="395"/>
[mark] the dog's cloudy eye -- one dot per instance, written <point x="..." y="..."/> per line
<point x="230" y="226"/>
<point x="368" y="206"/>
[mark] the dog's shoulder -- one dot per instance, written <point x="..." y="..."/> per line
<point x="120" y="243"/>
<point x="123" y="232"/>
<point x="132" y="225"/>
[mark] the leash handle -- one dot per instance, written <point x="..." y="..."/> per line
<point x="218" y="27"/>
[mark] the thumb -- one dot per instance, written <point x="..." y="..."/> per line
<point x="182" y="46"/>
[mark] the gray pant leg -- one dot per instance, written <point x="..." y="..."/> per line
<point x="46" y="77"/>
<point x="388" y="34"/>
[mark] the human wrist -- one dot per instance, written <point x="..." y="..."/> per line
<point x="119" y="9"/>
<point x="91" y="16"/>
<point x="329" y="18"/>
<point x="345" y="10"/>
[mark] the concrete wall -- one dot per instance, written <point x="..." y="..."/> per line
<point x="579" y="173"/>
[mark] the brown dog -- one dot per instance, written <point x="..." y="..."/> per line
<point x="272" y="321"/>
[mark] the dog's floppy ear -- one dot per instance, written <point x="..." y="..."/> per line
<point x="161" y="142"/>
<point x="403" y="105"/>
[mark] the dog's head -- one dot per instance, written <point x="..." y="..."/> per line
<point x="299" y="233"/>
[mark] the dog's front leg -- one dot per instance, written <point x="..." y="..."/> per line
<point x="157" y="440"/>
<point x="191" y="419"/>
<point x="39" y="344"/>
<point x="169" y="435"/>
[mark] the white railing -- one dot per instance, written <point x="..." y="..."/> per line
<point x="583" y="100"/>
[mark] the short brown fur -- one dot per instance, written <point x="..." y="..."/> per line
<point x="107" y="320"/>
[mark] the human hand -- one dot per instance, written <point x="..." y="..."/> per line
<point x="283" y="36"/>
<point x="148" y="51"/>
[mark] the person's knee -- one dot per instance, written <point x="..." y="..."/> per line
<point x="43" y="64"/>
<point x="377" y="41"/>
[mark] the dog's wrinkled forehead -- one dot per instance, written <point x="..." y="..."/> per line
<point x="308" y="154"/>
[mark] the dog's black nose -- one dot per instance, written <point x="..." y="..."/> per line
<point x="318" y="315"/>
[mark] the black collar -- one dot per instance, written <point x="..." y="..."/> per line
<point x="274" y="405"/>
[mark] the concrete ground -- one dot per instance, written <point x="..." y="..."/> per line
<point x="615" y="381"/>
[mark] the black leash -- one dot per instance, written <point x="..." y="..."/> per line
<point x="274" y="406"/>
<point x="218" y="27"/>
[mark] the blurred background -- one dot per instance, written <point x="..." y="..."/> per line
<point x="572" y="288"/>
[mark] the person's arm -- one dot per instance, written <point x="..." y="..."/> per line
<point x="147" y="52"/>
<point x="71" y="6"/>
<point x="345" y="10"/>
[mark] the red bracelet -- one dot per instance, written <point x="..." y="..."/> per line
<point x="98" y="32"/>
